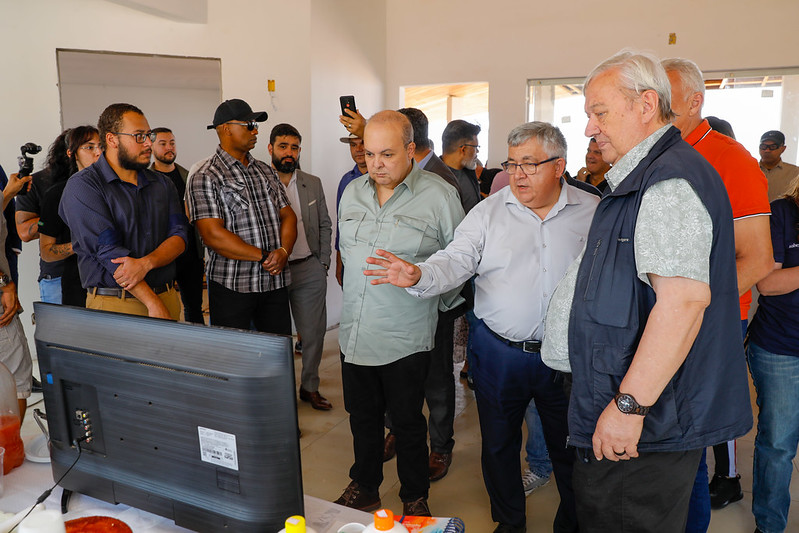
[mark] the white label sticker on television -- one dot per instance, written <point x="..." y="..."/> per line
<point x="218" y="448"/>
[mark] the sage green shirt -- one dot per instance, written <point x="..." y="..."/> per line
<point x="382" y="323"/>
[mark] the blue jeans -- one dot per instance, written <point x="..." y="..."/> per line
<point x="776" y="379"/>
<point x="50" y="290"/>
<point x="536" y="447"/>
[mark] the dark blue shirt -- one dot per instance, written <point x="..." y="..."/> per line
<point x="110" y="218"/>
<point x="775" y="326"/>
<point x="345" y="180"/>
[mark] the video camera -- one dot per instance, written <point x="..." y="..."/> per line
<point x="26" y="162"/>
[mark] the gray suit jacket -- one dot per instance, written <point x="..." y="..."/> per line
<point x="313" y="208"/>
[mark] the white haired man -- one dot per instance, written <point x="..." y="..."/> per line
<point x="658" y="371"/>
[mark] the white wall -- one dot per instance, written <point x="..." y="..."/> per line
<point x="348" y="57"/>
<point x="507" y="42"/>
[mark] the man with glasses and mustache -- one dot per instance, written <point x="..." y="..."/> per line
<point x="310" y="258"/>
<point x="779" y="173"/>
<point x="244" y="218"/>
<point x="189" y="264"/>
<point x="127" y="222"/>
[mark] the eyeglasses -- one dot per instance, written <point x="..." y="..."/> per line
<point x="91" y="148"/>
<point x="251" y="124"/>
<point x="527" y="168"/>
<point x="139" y="137"/>
<point x="475" y="146"/>
<point x="769" y="147"/>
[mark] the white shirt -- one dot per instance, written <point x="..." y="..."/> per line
<point x="518" y="258"/>
<point x="301" y="249"/>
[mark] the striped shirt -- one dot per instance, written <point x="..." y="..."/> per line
<point x="248" y="199"/>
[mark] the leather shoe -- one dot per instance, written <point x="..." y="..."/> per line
<point x="505" y="528"/>
<point x="389" y="447"/>
<point x="439" y="465"/>
<point x="724" y="491"/>
<point x="355" y="497"/>
<point x="416" y="508"/>
<point x="317" y="400"/>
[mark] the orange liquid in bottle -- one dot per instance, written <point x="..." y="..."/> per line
<point x="11" y="441"/>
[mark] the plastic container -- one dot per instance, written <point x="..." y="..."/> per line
<point x="296" y="524"/>
<point x="10" y="422"/>
<point x="383" y="523"/>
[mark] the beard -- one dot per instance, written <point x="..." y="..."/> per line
<point x="471" y="165"/>
<point x="287" y="165"/>
<point x="167" y="158"/>
<point x="130" y="162"/>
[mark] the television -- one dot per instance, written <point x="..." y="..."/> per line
<point x="194" y="423"/>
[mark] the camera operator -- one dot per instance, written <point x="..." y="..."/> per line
<point x="13" y="245"/>
<point x="56" y="169"/>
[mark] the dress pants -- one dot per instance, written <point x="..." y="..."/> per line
<point x="131" y="306"/>
<point x="398" y="387"/>
<point x="189" y="275"/>
<point x="506" y="379"/>
<point x="439" y="388"/>
<point x="307" y="294"/>
<point x="646" y="493"/>
<point x="266" y="311"/>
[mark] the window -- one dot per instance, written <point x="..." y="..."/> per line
<point x="444" y="103"/>
<point x="753" y="102"/>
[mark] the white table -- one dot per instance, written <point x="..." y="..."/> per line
<point x="25" y="483"/>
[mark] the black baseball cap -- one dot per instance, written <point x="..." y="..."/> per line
<point x="236" y="109"/>
<point x="774" y="136"/>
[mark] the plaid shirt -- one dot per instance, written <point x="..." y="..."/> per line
<point x="248" y="200"/>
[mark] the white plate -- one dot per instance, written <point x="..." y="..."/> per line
<point x="36" y="450"/>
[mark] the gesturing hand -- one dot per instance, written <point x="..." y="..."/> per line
<point x="395" y="271"/>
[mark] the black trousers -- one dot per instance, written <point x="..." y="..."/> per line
<point x="189" y="275"/>
<point x="398" y="387"/>
<point x="265" y="311"/>
<point x="648" y="493"/>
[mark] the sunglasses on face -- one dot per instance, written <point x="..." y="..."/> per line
<point x="251" y="124"/>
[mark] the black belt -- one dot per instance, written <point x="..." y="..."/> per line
<point x="525" y="346"/>
<point x="120" y="293"/>
<point x="298" y="261"/>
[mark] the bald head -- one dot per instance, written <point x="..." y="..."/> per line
<point x="388" y="140"/>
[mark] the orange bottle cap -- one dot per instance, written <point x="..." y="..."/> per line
<point x="384" y="520"/>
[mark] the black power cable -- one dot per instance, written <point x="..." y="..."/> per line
<point x="46" y="494"/>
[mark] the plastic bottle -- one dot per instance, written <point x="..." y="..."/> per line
<point x="10" y="422"/>
<point x="384" y="522"/>
<point x="296" y="524"/>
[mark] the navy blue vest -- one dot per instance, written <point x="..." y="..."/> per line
<point x="707" y="400"/>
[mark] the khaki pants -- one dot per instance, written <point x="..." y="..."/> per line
<point x="132" y="306"/>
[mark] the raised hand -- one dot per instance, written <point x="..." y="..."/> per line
<point x="395" y="271"/>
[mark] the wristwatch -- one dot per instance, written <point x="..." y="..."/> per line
<point x="4" y="280"/>
<point x="629" y="406"/>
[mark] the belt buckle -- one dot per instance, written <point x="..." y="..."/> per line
<point x="531" y="346"/>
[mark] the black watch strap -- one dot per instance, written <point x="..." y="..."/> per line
<point x="264" y="255"/>
<point x="628" y="405"/>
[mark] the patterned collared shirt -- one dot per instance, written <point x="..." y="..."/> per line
<point x="248" y="199"/>
<point x="673" y="237"/>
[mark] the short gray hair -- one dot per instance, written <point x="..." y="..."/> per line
<point x="689" y="72"/>
<point x="638" y="72"/>
<point x="550" y="137"/>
